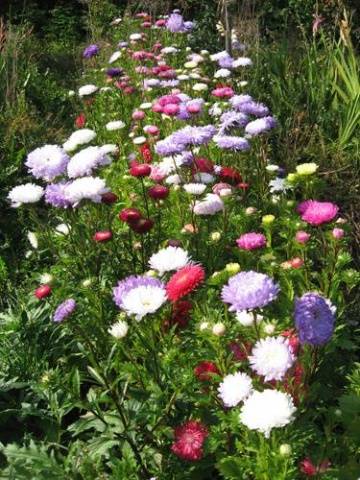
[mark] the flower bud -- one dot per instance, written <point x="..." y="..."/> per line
<point x="204" y="326"/>
<point x="42" y="291"/>
<point x="104" y="236"/>
<point x="232" y="268"/>
<point x="338" y="233"/>
<point x="215" y="236"/>
<point x="285" y="450"/>
<point x="129" y="215"/>
<point x="250" y="210"/>
<point x="119" y="329"/>
<point x="302" y="237"/>
<point x="268" y="219"/>
<point x="269" y="328"/>
<point x="158" y="192"/>
<point x="140" y="170"/>
<point x="109" y="198"/>
<point x="219" y="329"/>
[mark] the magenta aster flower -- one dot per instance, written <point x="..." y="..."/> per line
<point x="316" y="213"/>
<point x="251" y="241"/>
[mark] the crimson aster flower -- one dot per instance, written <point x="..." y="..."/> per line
<point x="189" y="440"/>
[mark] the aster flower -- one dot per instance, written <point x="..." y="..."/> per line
<point x="249" y="290"/>
<point x="79" y="137"/>
<point x="175" y="23"/>
<point x="204" y="177"/>
<point x="260" y="125"/>
<point x="279" y="185"/>
<point x="90" y="188"/>
<point x="167" y="147"/>
<point x="184" y="281"/>
<point x="314" y="319"/>
<point x="228" y="142"/>
<point x="114" y="125"/>
<point x="55" y="195"/>
<point x="271" y="357"/>
<point x="119" y="329"/>
<point x="64" y="310"/>
<point x="189" y="440"/>
<point x="235" y="388"/>
<point x="114" y="72"/>
<point x="205" y="371"/>
<point x="247" y="319"/>
<point x="254" y="108"/>
<point x="316" y="213"/>
<point x="47" y="162"/>
<point x="27" y="193"/>
<point x="194" y="135"/>
<point x="91" y="51"/>
<point x="251" y="241"/>
<point x="85" y="161"/>
<point x="211" y="205"/>
<point x="87" y="90"/>
<point x="115" y="56"/>
<point x="143" y="300"/>
<point x="242" y="62"/>
<point x="266" y="410"/>
<point x="134" y="281"/>
<point x="232" y="119"/>
<point x="194" y="188"/>
<point x="168" y="259"/>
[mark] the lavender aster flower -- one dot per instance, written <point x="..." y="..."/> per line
<point x="314" y="319"/>
<point x="175" y="23"/>
<point x="249" y="290"/>
<point x="47" y="162"/>
<point x="169" y="83"/>
<point x="64" y="310"/>
<point x="134" y="281"/>
<point x="168" y="147"/>
<point x="85" y="161"/>
<point x="237" y="100"/>
<point x="91" y="51"/>
<point x="228" y="142"/>
<point x="260" y="125"/>
<point x="232" y="119"/>
<point x="226" y="61"/>
<point x="55" y="195"/>
<point x="194" y="135"/>
<point x="253" y="108"/>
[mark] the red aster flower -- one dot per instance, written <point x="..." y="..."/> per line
<point x="230" y="175"/>
<point x="143" y="225"/>
<point x="140" y="170"/>
<point x="42" y="291"/>
<point x="146" y="153"/>
<point x="104" y="236"/>
<point x="80" y="121"/>
<point x="129" y="215"/>
<point x="181" y="313"/>
<point x="109" y="198"/>
<point x="189" y="439"/>
<point x="158" y="192"/>
<point x="308" y="468"/>
<point x="294" y="342"/>
<point x="184" y="281"/>
<point x="203" y="165"/>
<point x="240" y="351"/>
<point x="204" y="371"/>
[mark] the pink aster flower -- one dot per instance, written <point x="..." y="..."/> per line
<point x="189" y="439"/>
<point x="251" y="241"/>
<point x="317" y="213"/>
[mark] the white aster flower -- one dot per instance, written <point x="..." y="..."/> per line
<point x="266" y="410"/>
<point x="119" y="329"/>
<point x="242" y="62"/>
<point x="215" y="110"/>
<point x="33" y="240"/>
<point x="222" y="73"/>
<point x="219" y="55"/>
<point x="105" y="89"/>
<point x="194" y="188"/>
<point x="139" y="140"/>
<point x="168" y="259"/>
<point x="85" y="161"/>
<point x="145" y="106"/>
<point x="279" y="185"/>
<point x="247" y="319"/>
<point x="211" y="205"/>
<point x="110" y="148"/>
<point x="135" y="36"/>
<point x="195" y="75"/>
<point x="115" y="125"/>
<point x="62" y="229"/>
<point x="235" y="388"/>
<point x="183" y="77"/>
<point x="27" y="193"/>
<point x="79" y="137"/>
<point x="166" y="50"/>
<point x="271" y="357"/>
<point x="90" y="188"/>
<point x="115" y="56"/>
<point x="143" y="300"/>
<point x="200" y="87"/>
<point x="87" y="90"/>
<point x="46" y="278"/>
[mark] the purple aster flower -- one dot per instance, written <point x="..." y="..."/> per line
<point x="188" y="26"/>
<point x="64" y="310"/>
<point x="253" y="108"/>
<point x="237" y="100"/>
<point x="232" y="119"/>
<point x="124" y="286"/>
<point x="251" y="241"/>
<point x="122" y="44"/>
<point x="175" y="23"/>
<point x="314" y="319"/>
<point x="168" y="147"/>
<point x="260" y="125"/>
<point x="47" y="162"/>
<point x="183" y="114"/>
<point x="55" y="195"/>
<point x="228" y="142"/>
<point x="249" y="290"/>
<point x="114" y="72"/>
<point x="226" y="61"/>
<point x="91" y="51"/>
<point x="194" y="135"/>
